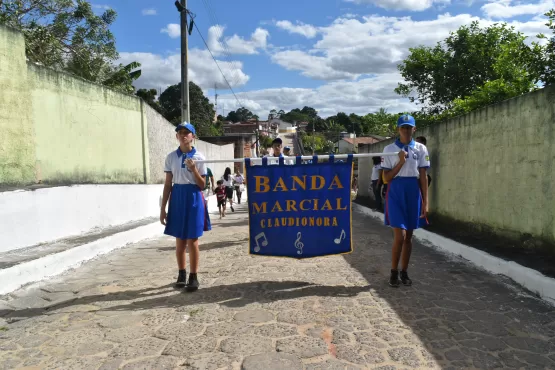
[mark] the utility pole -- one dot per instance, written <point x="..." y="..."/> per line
<point x="185" y="113"/>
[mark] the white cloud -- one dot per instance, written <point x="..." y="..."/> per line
<point x="300" y="28"/>
<point x="173" y="30"/>
<point x="149" y="12"/>
<point x="413" y="5"/>
<point x="101" y="6"/>
<point x="236" y="44"/>
<point x="162" y="71"/>
<point x="511" y="8"/>
<point x="356" y="60"/>
<point x="350" y="48"/>
<point x="361" y="97"/>
<point x="312" y="66"/>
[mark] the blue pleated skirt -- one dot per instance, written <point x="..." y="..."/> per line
<point x="187" y="212"/>
<point x="403" y="204"/>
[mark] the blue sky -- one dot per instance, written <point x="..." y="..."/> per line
<point x="333" y="55"/>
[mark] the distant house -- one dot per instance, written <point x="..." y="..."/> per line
<point x="248" y="128"/>
<point x="351" y="144"/>
<point x="282" y="126"/>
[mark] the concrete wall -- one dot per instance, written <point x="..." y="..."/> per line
<point x="58" y="129"/>
<point x="162" y="140"/>
<point x="84" y="133"/>
<point x="493" y="167"/>
<point x="31" y="217"/>
<point x="17" y="146"/>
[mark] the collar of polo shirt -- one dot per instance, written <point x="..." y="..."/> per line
<point x="401" y="145"/>
<point x="189" y="155"/>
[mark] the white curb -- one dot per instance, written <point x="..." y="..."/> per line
<point x="15" y="277"/>
<point x="530" y="279"/>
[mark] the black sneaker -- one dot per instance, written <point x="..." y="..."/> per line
<point x="181" y="279"/>
<point x="193" y="283"/>
<point x="394" y="279"/>
<point x="405" y="278"/>
<point x="232" y="209"/>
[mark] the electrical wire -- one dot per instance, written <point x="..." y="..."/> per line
<point x="217" y="64"/>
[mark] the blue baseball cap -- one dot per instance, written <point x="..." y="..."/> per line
<point x="187" y="126"/>
<point x="406" y="120"/>
<point x="287" y="148"/>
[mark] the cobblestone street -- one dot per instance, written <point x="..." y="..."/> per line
<point x="121" y="311"/>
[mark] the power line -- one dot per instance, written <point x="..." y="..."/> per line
<point x="233" y="66"/>
<point x="215" y="61"/>
<point x="223" y="45"/>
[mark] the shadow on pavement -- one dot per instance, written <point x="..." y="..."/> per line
<point x="235" y="295"/>
<point x="464" y="316"/>
<point x="234" y="223"/>
<point x="209" y="246"/>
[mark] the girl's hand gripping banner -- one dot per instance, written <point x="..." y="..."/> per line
<point x="300" y="210"/>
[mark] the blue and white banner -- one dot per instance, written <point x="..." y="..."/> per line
<point x="299" y="210"/>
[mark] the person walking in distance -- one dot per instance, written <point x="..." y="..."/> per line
<point x="186" y="218"/>
<point x="376" y="181"/>
<point x="227" y="179"/>
<point x="422" y="140"/>
<point x="238" y="182"/>
<point x="220" y="197"/>
<point x="207" y="187"/>
<point x="406" y="205"/>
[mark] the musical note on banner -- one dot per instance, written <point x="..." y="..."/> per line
<point x="341" y="237"/>
<point x="298" y="244"/>
<point x="264" y="242"/>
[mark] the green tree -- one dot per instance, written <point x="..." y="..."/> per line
<point x="295" y="115"/>
<point x="149" y="96"/>
<point x="381" y="123"/>
<point x="240" y="115"/>
<point x="545" y="62"/>
<point x="465" y="61"/>
<point x="317" y="143"/>
<point x="67" y="35"/>
<point x="202" y="112"/>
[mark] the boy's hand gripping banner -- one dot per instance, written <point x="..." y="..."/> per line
<point x="300" y="210"/>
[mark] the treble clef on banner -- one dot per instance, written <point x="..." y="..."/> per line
<point x="298" y="244"/>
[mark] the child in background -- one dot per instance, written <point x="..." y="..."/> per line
<point x="220" y="196"/>
<point x="376" y="182"/>
<point x="422" y="140"/>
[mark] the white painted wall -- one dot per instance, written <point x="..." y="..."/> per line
<point x="31" y="217"/>
<point x="14" y="277"/>
<point x="345" y="147"/>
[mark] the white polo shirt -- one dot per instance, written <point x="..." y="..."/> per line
<point x="275" y="160"/>
<point x="228" y="183"/>
<point x="175" y="163"/>
<point x="417" y="157"/>
<point x="375" y="172"/>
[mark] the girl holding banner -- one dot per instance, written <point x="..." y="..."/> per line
<point x="187" y="217"/>
<point x="406" y="204"/>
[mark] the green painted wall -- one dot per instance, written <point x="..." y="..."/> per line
<point x="58" y="129"/>
<point x="494" y="167"/>
<point x="84" y="132"/>
<point x="17" y="146"/>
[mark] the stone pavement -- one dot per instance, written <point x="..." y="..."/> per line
<point x="120" y="311"/>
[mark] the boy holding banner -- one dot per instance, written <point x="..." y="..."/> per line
<point x="406" y="204"/>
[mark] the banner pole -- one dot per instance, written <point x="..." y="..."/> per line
<point x="338" y="156"/>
